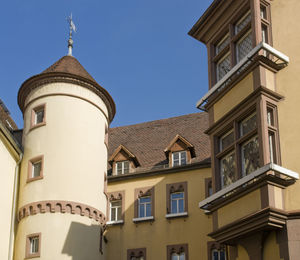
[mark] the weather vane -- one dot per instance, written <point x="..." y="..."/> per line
<point x="72" y="28"/>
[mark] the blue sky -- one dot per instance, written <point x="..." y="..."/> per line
<point x="138" y="50"/>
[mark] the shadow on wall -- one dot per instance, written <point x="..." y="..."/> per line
<point x="83" y="242"/>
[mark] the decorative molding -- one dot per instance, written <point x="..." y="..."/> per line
<point x="61" y="206"/>
<point x="53" y="77"/>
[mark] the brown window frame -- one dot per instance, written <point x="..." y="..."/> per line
<point x="212" y="245"/>
<point x="28" y="254"/>
<point x="253" y="26"/>
<point x="36" y="109"/>
<point x="178" y="249"/>
<point x="173" y="188"/>
<point x="144" y="192"/>
<point x="208" y="186"/>
<point x="31" y="162"/>
<point x="259" y="104"/>
<point x="116" y="196"/>
<point x="137" y="252"/>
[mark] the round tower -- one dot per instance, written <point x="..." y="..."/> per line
<point x="62" y="201"/>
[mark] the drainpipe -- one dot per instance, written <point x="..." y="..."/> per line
<point x="14" y="210"/>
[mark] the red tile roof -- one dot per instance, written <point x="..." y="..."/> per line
<point x="5" y="118"/>
<point x="69" y="64"/>
<point x="147" y="141"/>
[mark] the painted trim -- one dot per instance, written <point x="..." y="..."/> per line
<point x="143" y="219"/>
<point x="238" y="66"/>
<point x="177" y="215"/>
<point x="268" y="167"/>
<point x="61" y="206"/>
<point x="29" y="255"/>
<point x="177" y="187"/>
<point x="117" y="222"/>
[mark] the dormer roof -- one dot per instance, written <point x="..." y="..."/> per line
<point x="185" y="144"/>
<point x="125" y="152"/>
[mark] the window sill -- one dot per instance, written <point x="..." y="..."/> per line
<point x="34" y="126"/>
<point x="177" y="215"/>
<point x="116" y="222"/>
<point x="151" y="218"/>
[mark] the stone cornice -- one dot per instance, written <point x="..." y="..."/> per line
<point x="61" y="206"/>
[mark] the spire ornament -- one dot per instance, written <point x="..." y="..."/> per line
<point x="72" y="28"/>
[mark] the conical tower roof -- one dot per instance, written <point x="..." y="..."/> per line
<point x="69" y="64"/>
<point x="66" y="69"/>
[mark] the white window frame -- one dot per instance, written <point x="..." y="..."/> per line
<point x="34" y="245"/>
<point x="177" y="202"/>
<point x="218" y="251"/>
<point x="117" y="217"/>
<point x="179" y="158"/>
<point x="34" y="165"/>
<point x="122" y="163"/>
<point x="145" y="206"/>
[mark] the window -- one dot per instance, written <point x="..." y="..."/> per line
<point x="218" y="254"/>
<point x="122" y="167"/>
<point x="38" y="116"/>
<point x="136" y="254"/>
<point x="177" y="199"/>
<point x="115" y="209"/>
<point x="272" y="133"/>
<point x="179" y="158"/>
<point x="177" y="252"/>
<point x="239" y="155"/>
<point x="144" y="204"/>
<point x="237" y="40"/>
<point x="33" y="245"/>
<point x="177" y="202"/>
<point x="35" y="168"/>
<point x="144" y="207"/>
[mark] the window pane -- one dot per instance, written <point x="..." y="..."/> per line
<point x="174" y="206"/>
<point x="215" y="255"/>
<point x="272" y="149"/>
<point x="177" y="195"/>
<point x="250" y="156"/>
<point x="270" y="117"/>
<point x="183" y="158"/>
<point x="263" y="12"/>
<point x="241" y="24"/>
<point x="142" y="210"/>
<point x="36" y="169"/>
<point x="34" y="245"/>
<point x="226" y="140"/>
<point x="145" y="199"/>
<point x="223" y="66"/>
<point x="126" y="166"/>
<point x="227" y="169"/>
<point x="113" y="214"/>
<point x="39" y="116"/>
<point x="148" y="210"/>
<point x="175" y="256"/>
<point x="222" y="255"/>
<point x="119" y="213"/>
<point x="244" y="46"/>
<point x="182" y="256"/>
<point x="119" y="168"/>
<point x="248" y="124"/>
<point x="222" y="44"/>
<point x="181" y="206"/>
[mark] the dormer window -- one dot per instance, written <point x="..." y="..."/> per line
<point x="123" y="161"/>
<point x="122" y="167"/>
<point x="179" y="158"/>
<point x="179" y="152"/>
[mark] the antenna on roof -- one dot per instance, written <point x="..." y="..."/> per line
<point x="72" y="28"/>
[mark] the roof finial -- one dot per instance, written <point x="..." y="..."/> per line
<point x="72" y="28"/>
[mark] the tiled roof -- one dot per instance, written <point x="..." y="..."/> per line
<point x="69" y="64"/>
<point x="5" y="117"/>
<point x="147" y="141"/>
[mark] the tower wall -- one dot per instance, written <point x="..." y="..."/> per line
<point x="69" y="200"/>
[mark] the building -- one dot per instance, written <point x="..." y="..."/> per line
<point x="220" y="184"/>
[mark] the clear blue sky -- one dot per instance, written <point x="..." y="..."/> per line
<point x="138" y="50"/>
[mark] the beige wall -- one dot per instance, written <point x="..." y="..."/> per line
<point x="63" y="237"/>
<point x="271" y="248"/>
<point x="75" y="162"/>
<point x="7" y="172"/>
<point x="155" y="236"/>
<point x="286" y="39"/>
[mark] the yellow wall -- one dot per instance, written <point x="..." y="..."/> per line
<point x="157" y="235"/>
<point x="233" y="97"/>
<point x="242" y="253"/>
<point x="7" y="172"/>
<point x="271" y="248"/>
<point x="286" y="39"/>
<point x="237" y="209"/>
